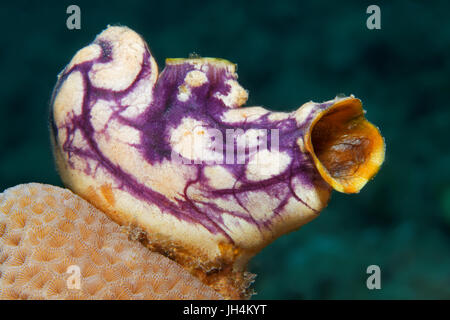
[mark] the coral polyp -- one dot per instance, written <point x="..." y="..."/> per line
<point x="49" y="236"/>
<point x="209" y="182"/>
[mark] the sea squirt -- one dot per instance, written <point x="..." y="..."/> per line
<point x="176" y="158"/>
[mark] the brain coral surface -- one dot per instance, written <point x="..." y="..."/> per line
<point x="46" y="231"/>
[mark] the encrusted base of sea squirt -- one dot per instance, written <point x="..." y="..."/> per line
<point x="173" y="156"/>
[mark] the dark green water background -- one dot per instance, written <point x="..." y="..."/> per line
<point x="288" y="52"/>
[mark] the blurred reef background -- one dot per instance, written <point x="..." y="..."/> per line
<point x="288" y="52"/>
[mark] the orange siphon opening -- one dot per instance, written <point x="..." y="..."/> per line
<point x="347" y="149"/>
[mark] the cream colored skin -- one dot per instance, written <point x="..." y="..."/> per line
<point x="117" y="142"/>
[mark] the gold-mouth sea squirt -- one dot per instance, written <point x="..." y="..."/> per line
<point x="143" y="148"/>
